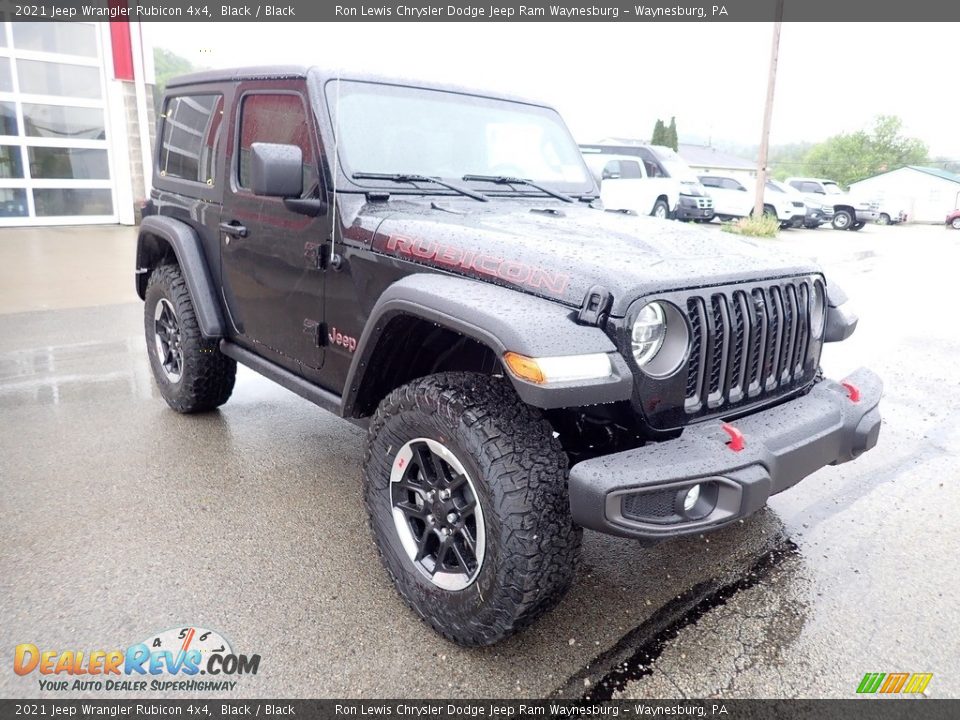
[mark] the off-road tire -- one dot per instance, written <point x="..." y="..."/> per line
<point x="207" y="375"/>
<point x="520" y="473"/>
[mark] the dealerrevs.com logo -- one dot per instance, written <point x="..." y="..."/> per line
<point x="168" y="661"/>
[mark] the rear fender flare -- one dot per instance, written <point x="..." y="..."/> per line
<point x="155" y="231"/>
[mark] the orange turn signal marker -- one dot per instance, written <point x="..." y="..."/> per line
<point x="524" y="368"/>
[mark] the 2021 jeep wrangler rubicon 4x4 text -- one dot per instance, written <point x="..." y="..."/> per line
<point x="434" y="264"/>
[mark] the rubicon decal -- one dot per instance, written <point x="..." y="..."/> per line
<point x="480" y="263"/>
<point x="179" y="652"/>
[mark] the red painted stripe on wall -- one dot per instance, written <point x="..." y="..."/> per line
<point x="122" y="47"/>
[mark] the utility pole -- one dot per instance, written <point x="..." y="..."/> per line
<point x="768" y="113"/>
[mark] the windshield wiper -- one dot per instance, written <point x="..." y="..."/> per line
<point x="505" y="180"/>
<point x="413" y="178"/>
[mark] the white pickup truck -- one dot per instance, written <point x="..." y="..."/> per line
<point x="849" y="213"/>
<point x="649" y="180"/>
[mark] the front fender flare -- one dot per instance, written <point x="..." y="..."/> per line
<point x="502" y="319"/>
<point x="193" y="264"/>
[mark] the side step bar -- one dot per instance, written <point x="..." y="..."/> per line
<point x="291" y="381"/>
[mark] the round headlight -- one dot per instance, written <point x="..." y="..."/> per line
<point x="648" y="332"/>
<point x="817" y="310"/>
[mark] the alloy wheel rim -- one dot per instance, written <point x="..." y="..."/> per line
<point x="437" y="514"/>
<point x="842" y="221"/>
<point x="168" y="340"/>
<point x="661" y="212"/>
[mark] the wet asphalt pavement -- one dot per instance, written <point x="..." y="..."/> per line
<point x="121" y="518"/>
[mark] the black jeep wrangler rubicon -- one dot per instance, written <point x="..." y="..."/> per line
<point x="434" y="265"/>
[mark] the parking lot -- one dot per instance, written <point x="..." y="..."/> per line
<point x="122" y="518"/>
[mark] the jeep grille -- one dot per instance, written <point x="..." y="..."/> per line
<point x="748" y="344"/>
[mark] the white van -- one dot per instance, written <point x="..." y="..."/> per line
<point x="649" y="180"/>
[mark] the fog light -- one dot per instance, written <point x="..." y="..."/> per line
<point x="690" y="499"/>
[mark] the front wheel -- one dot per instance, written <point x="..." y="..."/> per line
<point x="884" y="219"/>
<point x="466" y="489"/>
<point x="661" y="210"/>
<point x="842" y="220"/>
<point x="955" y="223"/>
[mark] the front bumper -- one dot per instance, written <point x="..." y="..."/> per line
<point x="694" y="213"/>
<point x="639" y="493"/>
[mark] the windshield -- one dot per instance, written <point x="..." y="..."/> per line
<point x="832" y="188"/>
<point x="392" y="129"/>
<point x="675" y="166"/>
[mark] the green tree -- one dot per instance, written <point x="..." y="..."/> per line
<point x="167" y="65"/>
<point x="671" y="135"/>
<point x="659" y="133"/>
<point x="850" y="157"/>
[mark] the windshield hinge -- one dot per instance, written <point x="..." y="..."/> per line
<point x="595" y="306"/>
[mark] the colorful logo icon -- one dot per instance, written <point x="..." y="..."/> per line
<point x="894" y="683"/>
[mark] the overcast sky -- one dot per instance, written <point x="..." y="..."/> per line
<point x="618" y="78"/>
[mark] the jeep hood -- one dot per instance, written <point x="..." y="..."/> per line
<point x="560" y="251"/>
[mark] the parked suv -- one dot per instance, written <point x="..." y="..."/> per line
<point x="849" y="213"/>
<point x="434" y="265"/>
<point x="649" y="180"/>
<point x="734" y="198"/>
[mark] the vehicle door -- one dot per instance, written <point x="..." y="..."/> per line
<point x="659" y="182"/>
<point x="812" y="191"/>
<point x="272" y="282"/>
<point x="623" y="186"/>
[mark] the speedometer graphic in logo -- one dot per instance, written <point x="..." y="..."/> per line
<point x="184" y="639"/>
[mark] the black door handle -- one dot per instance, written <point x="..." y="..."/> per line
<point x="234" y="229"/>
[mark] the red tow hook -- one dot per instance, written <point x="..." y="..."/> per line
<point x="736" y="442"/>
<point x="853" y="392"/>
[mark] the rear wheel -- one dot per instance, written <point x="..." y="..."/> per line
<point x="191" y="373"/>
<point x="955" y="223"/>
<point x="858" y="226"/>
<point x="884" y="219"/>
<point x="466" y="489"/>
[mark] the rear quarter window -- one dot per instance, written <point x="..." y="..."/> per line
<point x="190" y="137"/>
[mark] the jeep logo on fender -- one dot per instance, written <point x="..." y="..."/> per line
<point x="510" y="271"/>
<point x="338" y="338"/>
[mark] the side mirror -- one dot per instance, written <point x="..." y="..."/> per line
<point x="276" y="170"/>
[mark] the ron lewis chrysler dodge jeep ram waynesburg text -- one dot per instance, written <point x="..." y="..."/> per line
<point x="435" y="265"/>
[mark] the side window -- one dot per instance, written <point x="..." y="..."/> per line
<point x="611" y="170"/>
<point x="653" y="169"/>
<point x="275" y="118"/>
<point x="630" y="169"/>
<point x="190" y="137"/>
<point x="731" y="184"/>
<point x="708" y="181"/>
<point x="809" y="187"/>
